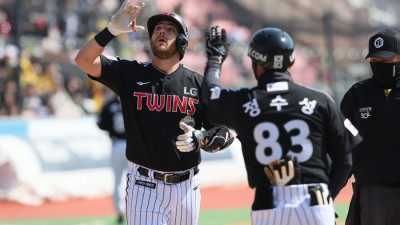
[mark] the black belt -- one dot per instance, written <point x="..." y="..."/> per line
<point x="168" y="178"/>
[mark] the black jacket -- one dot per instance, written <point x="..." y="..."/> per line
<point x="377" y="117"/>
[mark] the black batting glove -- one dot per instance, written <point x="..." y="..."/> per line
<point x="217" y="45"/>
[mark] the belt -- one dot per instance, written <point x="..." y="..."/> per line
<point x="168" y="178"/>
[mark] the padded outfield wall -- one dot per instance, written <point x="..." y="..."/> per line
<point x="65" y="158"/>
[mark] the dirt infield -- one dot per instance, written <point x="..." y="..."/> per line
<point x="212" y="198"/>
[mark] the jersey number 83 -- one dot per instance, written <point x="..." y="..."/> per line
<point x="271" y="142"/>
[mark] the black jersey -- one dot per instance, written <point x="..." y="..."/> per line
<point x="111" y="119"/>
<point x="377" y="118"/>
<point x="153" y="105"/>
<point x="279" y="117"/>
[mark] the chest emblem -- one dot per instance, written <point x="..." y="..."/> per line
<point x="189" y="121"/>
<point x="365" y="112"/>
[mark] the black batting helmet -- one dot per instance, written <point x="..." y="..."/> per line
<point x="182" y="39"/>
<point x="272" y="48"/>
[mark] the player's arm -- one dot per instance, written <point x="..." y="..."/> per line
<point x="343" y="137"/>
<point x="217" y="51"/>
<point x="88" y="58"/>
<point x="212" y="140"/>
<point x="123" y="21"/>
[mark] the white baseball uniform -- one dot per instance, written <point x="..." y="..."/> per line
<point x="293" y="206"/>
<point x="154" y="202"/>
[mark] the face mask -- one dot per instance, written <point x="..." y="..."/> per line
<point x="384" y="73"/>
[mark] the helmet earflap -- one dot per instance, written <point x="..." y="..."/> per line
<point x="181" y="44"/>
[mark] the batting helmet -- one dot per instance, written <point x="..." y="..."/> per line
<point x="272" y="48"/>
<point x="182" y="39"/>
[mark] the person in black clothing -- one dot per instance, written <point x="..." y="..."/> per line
<point x="295" y="142"/>
<point x="111" y="120"/>
<point x="159" y="99"/>
<point x="373" y="106"/>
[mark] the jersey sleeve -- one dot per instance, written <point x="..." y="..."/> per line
<point x="109" y="69"/>
<point x="220" y="103"/>
<point x="342" y="138"/>
<point x="347" y="105"/>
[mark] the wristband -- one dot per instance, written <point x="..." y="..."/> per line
<point x="104" y="37"/>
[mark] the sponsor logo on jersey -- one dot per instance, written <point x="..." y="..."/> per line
<point x="278" y="86"/>
<point x="143" y="83"/>
<point x="278" y="102"/>
<point x="169" y="103"/>
<point x="308" y="106"/>
<point x="353" y="130"/>
<point x="146" y="184"/>
<point x="191" y="91"/>
<point x="252" y="108"/>
<point x="365" y="112"/>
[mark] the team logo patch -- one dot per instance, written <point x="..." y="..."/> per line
<point x="378" y="42"/>
<point x="146" y="184"/>
<point x="189" y="120"/>
<point x="277" y="86"/>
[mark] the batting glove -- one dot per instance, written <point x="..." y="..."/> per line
<point x="185" y="141"/>
<point x="216" y="44"/>
<point x="124" y="20"/>
<point x="281" y="172"/>
<point x="318" y="196"/>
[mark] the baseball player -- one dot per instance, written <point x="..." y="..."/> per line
<point x="163" y="117"/>
<point x="111" y="120"/>
<point x="289" y="133"/>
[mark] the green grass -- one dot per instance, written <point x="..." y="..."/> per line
<point x="225" y="217"/>
<point x="341" y="210"/>
<point x="207" y="217"/>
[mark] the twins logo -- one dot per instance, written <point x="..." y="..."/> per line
<point x="365" y="112"/>
<point x="171" y="103"/>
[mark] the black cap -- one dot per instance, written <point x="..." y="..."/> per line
<point x="385" y="44"/>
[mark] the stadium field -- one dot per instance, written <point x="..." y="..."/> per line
<point x="220" y="206"/>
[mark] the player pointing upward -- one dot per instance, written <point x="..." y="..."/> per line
<point x="162" y="172"/>
<point x="288" y="132"/>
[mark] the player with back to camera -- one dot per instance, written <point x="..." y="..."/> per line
<point x="159" y="99"/>
<point x="111" y="120"/>
<point x="289" y="132"/>
<point x="373" y="106"/>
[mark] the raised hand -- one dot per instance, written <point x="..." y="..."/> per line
<point x="217" y="45"/>
<point x="124" y="20"/>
